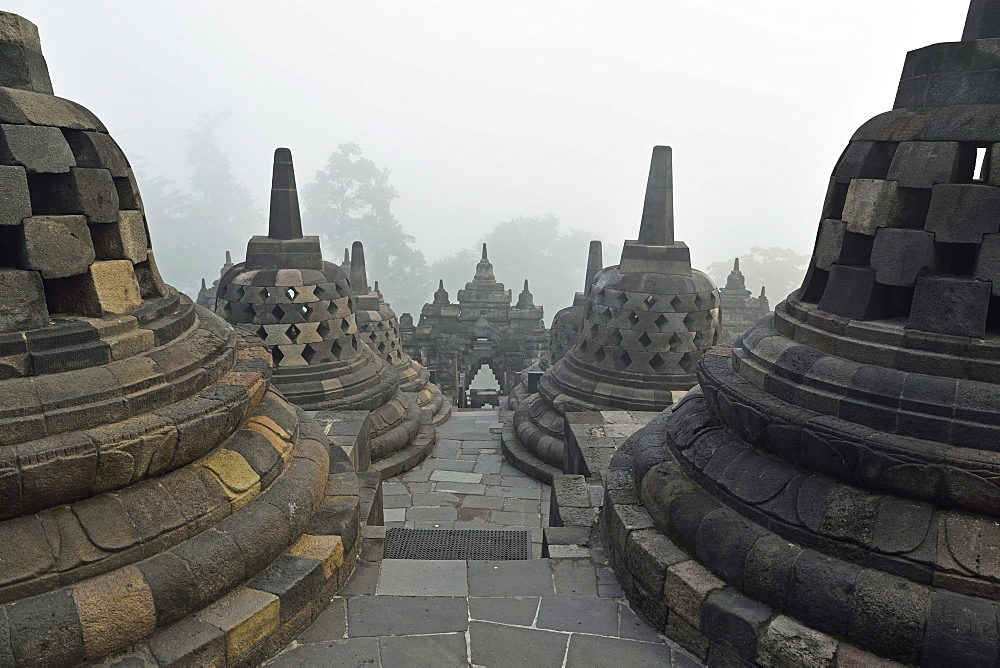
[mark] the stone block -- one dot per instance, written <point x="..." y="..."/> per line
<point x="172" y="586"/>
<point x="42" y="109"/>
<point x="97" y="150"/>
<point x="962" y="213"/>
<point x="90" y="192"/>
<point x="295" y="581"/>
<point x="961" y="631"/>
<point x="871" y="204"/>
<point x="115" y="609"/>
<point x="247" y="616"/>
<point x="189" y="642"/>
<point x="22" y="301"/>
<point x="14" y="196"/>
<point x="865" y="160"/>
<point x="685" y="588"/>
<point x="988" y="262"/>
<point x="108" y="288"/>
<point x="786" y="642"/>
<point x="38" y="149"/>
<point x="850" y="292"/>
<point x="767" y="573"/>
<point x="730" y="616"/>
<point x="954" y="305"/>
<point x="821" y="590"/>
<point x="920" y="164"/>
<point x="328" y="550"/>
<point x="57" y="246"/>
<point x="215" y="562"/>
<point x="900" y="256"/>
<point x="888" y="615"/>
<point x="121" y="240"/>
<point x="151" y="285"/>
<point x="45" y="630"/>
<point x="829" y="242"/>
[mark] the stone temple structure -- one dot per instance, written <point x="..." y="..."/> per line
<point x="831" y="490"/>
<point x="740" y="310"/>
<point x="142" y="444"/>
<point x="305" y="310"/>
<point x="647" y="322"/>
<point x="206" y="295"/>
<point x="483" y="328"/>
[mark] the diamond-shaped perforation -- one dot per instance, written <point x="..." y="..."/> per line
<point x="262" y="333"/>
<point x="676" y="303"/>
<point x="323" y="329"/>
<point x="689" y="361"/>
<point x="290" y="293"/>
<point x="645" y="340"/>
<point x="649" y="301"/>
<point x="336" y="349"/>
<point x="601" y="292"/>
<point x="381" y="347"/>
<point x="676" y="341"/>
<point x="310" y="354"/>
<point x="615" y="337"/>
<point x="625" y="359"/>
<point x="304" y="310"/>
<point x="599" y="354"/>
<point x="660" y="321"/>
<point x="293" y="332"/>
<point x="594" y="331"/>
<point x="605" y="316"/>
<point x="277" y="312"/>
<point x="277" y="355"/>
<point x="240" y="292"/>
<point x="632" y="318"/>
<point x="699" y="302"/>
<point x="691" y="321"/>
<point x="345" y="325"/>
<point x="622" y="299"/>
<point x="657" y="364"/>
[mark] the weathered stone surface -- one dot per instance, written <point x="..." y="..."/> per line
<point x="22" y="301"/>
<point x="57" y="246"/>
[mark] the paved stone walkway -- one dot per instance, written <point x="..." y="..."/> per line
<point x="566" y="610"/>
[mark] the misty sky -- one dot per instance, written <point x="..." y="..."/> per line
<point x="487" y="110"/>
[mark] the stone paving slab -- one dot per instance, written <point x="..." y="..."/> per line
<point x="511" y="578"/>
<point x="519" y="611"/>
<point x="405" y="615"/>
<point x="423" y="577"/>
<point x="579" y="614"/>
<point x="591" y="651"/>
<point x="349" y="652"/>
<point x="429" y="651"/>
<point x="503" y="646"/>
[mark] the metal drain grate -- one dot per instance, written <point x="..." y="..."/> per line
<point x="457" y="544"/>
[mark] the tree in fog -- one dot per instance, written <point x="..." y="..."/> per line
<point x="780" y="270"/>
<point x="351" y="200"/>
<point x="193" y="228"/>
<point x="526" y="247"/>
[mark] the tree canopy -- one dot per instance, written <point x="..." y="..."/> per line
<point x="351" y="200"/>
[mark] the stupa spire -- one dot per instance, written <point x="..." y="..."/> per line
<point x="983" y="20"/>
<point x="595" y="262"/>
<point x="736" y="264"/>
<point x="484" y="250"/>
<point x="229" y="257"/>
<point x="359" y="275"/>
<point x="657" y="228"/>
<point x="284" y="221"/>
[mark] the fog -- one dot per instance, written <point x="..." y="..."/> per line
<point x="487" y="111"/>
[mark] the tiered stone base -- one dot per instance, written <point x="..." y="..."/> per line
<point x="741" y="592"/>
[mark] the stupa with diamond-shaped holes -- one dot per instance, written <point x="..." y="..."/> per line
<point x="646" y="323"/>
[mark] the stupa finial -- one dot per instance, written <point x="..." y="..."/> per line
<point x="983" y="20"/>
<point x="657" y="228"/>
<point x="595" y="262"/>
<point x="284" y="221"/>
<point x="484" y="250"/>
<point x="359" y="275"/>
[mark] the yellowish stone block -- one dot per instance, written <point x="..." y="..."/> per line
<point x="326" y="549"/>
<point x="114" y="609"/>
<point x="247" y="616"/>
